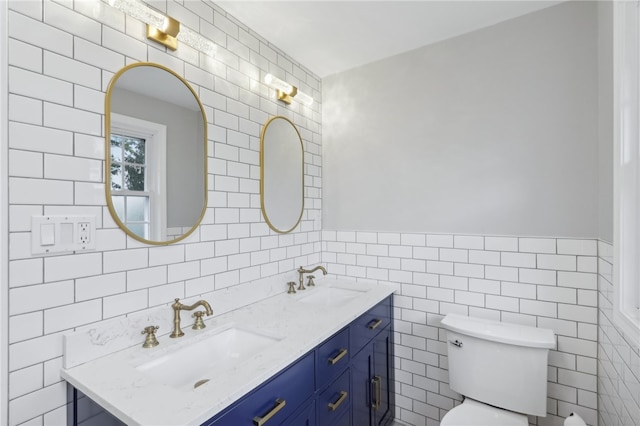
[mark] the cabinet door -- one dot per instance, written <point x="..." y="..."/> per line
<point x="382" y="378"/>
<point x="372" y="383"/>
<point x="361" y="386"/>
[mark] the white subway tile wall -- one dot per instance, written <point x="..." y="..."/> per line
<point x="618" y="359"/>
<point x="533" y="281"/>
<point x="61" y="58"/>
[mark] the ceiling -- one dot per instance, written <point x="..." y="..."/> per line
<point x="329" y="37"/>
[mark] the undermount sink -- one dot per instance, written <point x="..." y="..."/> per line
<point x="328" y="296"/>
<point x="199" y="362"/>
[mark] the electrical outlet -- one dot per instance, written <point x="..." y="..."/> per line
<point x="84" y="232"/>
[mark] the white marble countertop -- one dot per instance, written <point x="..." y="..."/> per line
<point x="136" y="399"/>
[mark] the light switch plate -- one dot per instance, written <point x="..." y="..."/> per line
<point x="62" y="233"/>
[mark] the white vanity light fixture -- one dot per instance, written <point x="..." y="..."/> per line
<point x="285" y="92"/>
<point x="163" y="29"/>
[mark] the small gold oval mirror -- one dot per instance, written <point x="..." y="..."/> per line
<point x="281" y="174"/>
<point x="155" y="154"/>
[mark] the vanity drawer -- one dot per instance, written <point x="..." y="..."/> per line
<point x="273" y="402"/>
<point x="334" y="401"/>
<point x="332" y="357"/>
<point x="369" y="324"/>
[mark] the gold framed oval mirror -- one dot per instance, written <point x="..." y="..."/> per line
<point x="281" y="174"/>
<point x="155" y="154"/>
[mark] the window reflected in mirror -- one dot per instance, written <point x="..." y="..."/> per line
<point x="129" y="192"/>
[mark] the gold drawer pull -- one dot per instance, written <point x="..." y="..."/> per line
<point x="259" y="421"/>
<point x="375" y="324"/>
<point x="377" y="392"/>
<point x="338" y="357"/>
<point x="333" y="406"/>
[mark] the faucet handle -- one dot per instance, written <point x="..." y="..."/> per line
<point x="292" y="286"/>
<point x="310" y="283"/>
<point x="199" y="324"/>
<point x="151" y="340"/>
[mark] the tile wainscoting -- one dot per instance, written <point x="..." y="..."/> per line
<point x="544" y="282"/>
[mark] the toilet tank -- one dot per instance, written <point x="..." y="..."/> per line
<point x="497" y="363"/>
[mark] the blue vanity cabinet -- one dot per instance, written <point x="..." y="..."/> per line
<point x="347" y="380"/>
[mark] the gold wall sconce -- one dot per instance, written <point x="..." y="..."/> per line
<point x="163" y="29"/>
<point x="285" y="92"/>
<point x="165" y="35"/>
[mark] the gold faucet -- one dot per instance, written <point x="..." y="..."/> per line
<point x="303" y="271"/>
<point x="177" y="307"/>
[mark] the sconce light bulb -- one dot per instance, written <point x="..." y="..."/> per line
<point x="165" y="25"/>
<point x="196" y="41"/>
<point x="304" y="98"/>
<point x="278" y="84"/>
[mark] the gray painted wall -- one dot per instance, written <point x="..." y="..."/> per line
<point x="493" y="132"/>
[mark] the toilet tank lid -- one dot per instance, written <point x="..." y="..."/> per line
<point x="512" y="334"/>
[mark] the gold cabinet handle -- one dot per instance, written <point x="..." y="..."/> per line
<point x="377" y="392"/>
<point x="338" y="357"/>
<point x="333" y="406"/>
<point x="259" y="421"/>
<point x="375" y="324"/>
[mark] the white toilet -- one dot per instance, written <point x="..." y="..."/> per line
<point x="500" y="368"/>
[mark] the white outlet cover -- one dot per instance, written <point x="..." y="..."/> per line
<point x="67" y="235"/>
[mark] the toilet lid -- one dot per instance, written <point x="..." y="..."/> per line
<point x="474" y="413"/>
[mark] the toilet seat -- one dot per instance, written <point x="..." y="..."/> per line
<point x="474" y="413"/>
